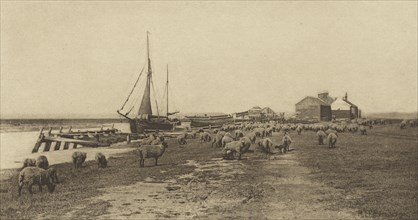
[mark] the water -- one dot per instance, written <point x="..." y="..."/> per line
<point x="17" y="146"/>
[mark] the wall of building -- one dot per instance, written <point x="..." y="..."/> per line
<point x="308" y="112"/>
<point x="341" y="114"/>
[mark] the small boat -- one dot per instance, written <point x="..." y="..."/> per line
<point x="145" y="120"/>
<point x="216" y="120"/>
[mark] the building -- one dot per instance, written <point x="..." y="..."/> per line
<point x="325" y="107"/>
<point x="268" y="112"/>
<point x="261" y="114"/>
<point x="341" y="108"/>
<point x="312" y="108"/>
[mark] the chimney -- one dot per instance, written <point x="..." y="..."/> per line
<point x="345" y="97"/>
<point x="323" y="95"/>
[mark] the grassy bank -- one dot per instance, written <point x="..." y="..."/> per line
<point x="378" y="172"/>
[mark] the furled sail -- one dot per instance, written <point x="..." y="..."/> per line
<point x="145" y="108"/>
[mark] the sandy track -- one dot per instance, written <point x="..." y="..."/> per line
<point x="274" y="187"/>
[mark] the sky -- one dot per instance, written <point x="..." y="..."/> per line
<point x="69" y="59"/>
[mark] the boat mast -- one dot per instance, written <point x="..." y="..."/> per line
<point x="145" y="108"/>
<point x="167" y="90"/>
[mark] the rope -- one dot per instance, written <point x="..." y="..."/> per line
<point x="127" y="99"/>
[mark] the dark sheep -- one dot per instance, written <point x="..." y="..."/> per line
<point x="78" y="159"/>
<point x="34" y="175"/>
<point x="101" y="160"/>
<point x="29" y="162"/>
<point x="42" y="162"/>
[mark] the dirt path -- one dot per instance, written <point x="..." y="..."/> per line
<point x="274" y="187"/>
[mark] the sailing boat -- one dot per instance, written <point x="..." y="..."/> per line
<point x="145" y="120"/>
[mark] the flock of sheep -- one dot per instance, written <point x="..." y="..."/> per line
<point x="234" y="140"/>
<point x="38" y="172"/>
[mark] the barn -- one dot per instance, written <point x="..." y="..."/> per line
<point x="315" y="108"/>
<point x="341" y="108"/>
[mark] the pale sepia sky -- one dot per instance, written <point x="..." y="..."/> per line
<point x="70" y="58"/>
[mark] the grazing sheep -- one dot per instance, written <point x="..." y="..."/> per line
<point x="205" y="137"/>
<point x="233" y="150"/>
<point x="101" y="160"/>
<point x="363" y="130"/>
<point x="265" y="145"/>
<point x="238" y="134"/>
<point x="251" y="136"/>
<point x="217" y="140"/>
<point x="181" y="139"/>
<point x="29" y="162"/>
<point x="321" y="136"/>
<point x="193" y="134"/>
<point x="286" y="141"/>
<point x="79" y="158"/>
<point x="150" y="151"/>
<point x="332" y="140"/>
<point x="403" y="124"/>
<point x="282" y="148"/>
<point x="35" y="175"/>
<point x="226" y="139"/>
<point x="42" y="162"/>
<point x="246" y="144"/>
<point x="299" y="130"/>
<point x="53" y="174"/>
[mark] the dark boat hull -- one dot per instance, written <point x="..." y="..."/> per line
<point x="209" y="122"/>
<point x="141" y="126"/>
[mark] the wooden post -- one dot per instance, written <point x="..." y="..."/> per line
<point x="75" y="146"/>
<point x="47" y="146"/>
<point x="39" y="141"/>
<point x="66" y="145"/>
<point x="57" y="145"/>
<point x="69" y="130"/>
<point x="128" y="139"/>
<point x="61" y="129"/>
<point x="50" y="131"/>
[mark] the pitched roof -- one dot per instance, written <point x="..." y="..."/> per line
<point x="350" y="103"/>
<point x="318" y="100"/>
<point x="329" y="100"/>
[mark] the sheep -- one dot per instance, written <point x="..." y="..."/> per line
<point x="232" y="150"/>
<point x="79" y="158"/>
<point x="42" y="162"/>
<point x="321" y="136"/>
<point x="101" y="160"/>
<point x="217" y="140"/>
<point x="35" y="175"/>
<point x="205" y="137"/>
<point x="181" y="139"/>
<point x="29" y="162"/>
<point x="226" y="139"/>
<point x="403" y="124"/>
<point x="299" y="130"/>
<point x="286" y="141"/>
<point x="150" y="151"/>
<point x="269" y="131"/>
<point x="363" y="130"/>
<point x="282" y="148"/>
<point x="265" y="145"/>
<point x="193" y="134"/>
<point x="246" y="144"/>
<point x="251" y="136"/>
<point x="332" y="140"/>
<point x="238" y="134"/>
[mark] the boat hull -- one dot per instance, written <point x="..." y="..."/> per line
<point x="210" y="122"/>
<point x="141" y="126"/>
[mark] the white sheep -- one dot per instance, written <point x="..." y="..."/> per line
<point x="150" y="151"/>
